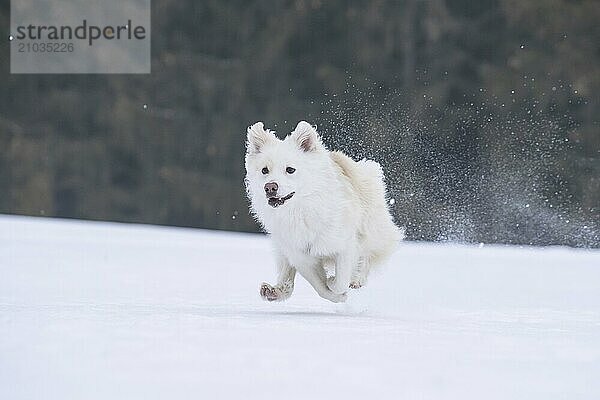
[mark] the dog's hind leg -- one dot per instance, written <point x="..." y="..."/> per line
<point x="359" y="275"/>
<point x="285" y="283"/>
<point x="345" y="264"/>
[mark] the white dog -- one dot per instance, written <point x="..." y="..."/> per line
<point x="324" y="211"/>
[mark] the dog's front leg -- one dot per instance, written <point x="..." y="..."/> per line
<point x="285" y="282"/>
<point x="317" y="278"/>
<point x="345" y="263"/>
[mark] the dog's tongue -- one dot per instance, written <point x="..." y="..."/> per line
<point x="275" y="201"/>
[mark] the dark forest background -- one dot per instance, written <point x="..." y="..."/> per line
<point x="484" y="114"/>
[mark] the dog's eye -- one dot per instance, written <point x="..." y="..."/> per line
<point x="265" y="170"/>
<point x="290" y="170"/>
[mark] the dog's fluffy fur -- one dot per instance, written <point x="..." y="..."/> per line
<point x="324" y="211"/>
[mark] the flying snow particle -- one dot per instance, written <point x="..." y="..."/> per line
<point x="392" y="201"/>
<point x="233" y="217"/>
<point x="11" y="37"/>
<point x="145" y="106"/>
<point x="522" y="46"/>
<point x="512" y="91"/>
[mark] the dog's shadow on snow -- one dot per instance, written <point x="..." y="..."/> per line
<point x="302" y="313"/>
<point x="310" y="314"/>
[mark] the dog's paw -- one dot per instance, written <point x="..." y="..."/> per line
<point x="335" y="287"/>
<point x="269" y="293"/>
<point x="355" y="285"/>
<point x="334" y="297"/>
<point x="338" y="298"/>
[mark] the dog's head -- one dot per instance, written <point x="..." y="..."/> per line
<point x="280" y="171"/>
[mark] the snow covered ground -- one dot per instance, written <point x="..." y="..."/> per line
<point x="113" y="311"/>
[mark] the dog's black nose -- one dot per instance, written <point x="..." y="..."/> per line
<point x="271" y="189"/>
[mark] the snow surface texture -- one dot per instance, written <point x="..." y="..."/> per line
<point x="113" y="311"/>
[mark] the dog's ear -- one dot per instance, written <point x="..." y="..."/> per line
<point x="258" y="136"/>
<point x="306" y="136"/>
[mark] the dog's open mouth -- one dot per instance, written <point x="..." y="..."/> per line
<point x="278" y="201"/>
